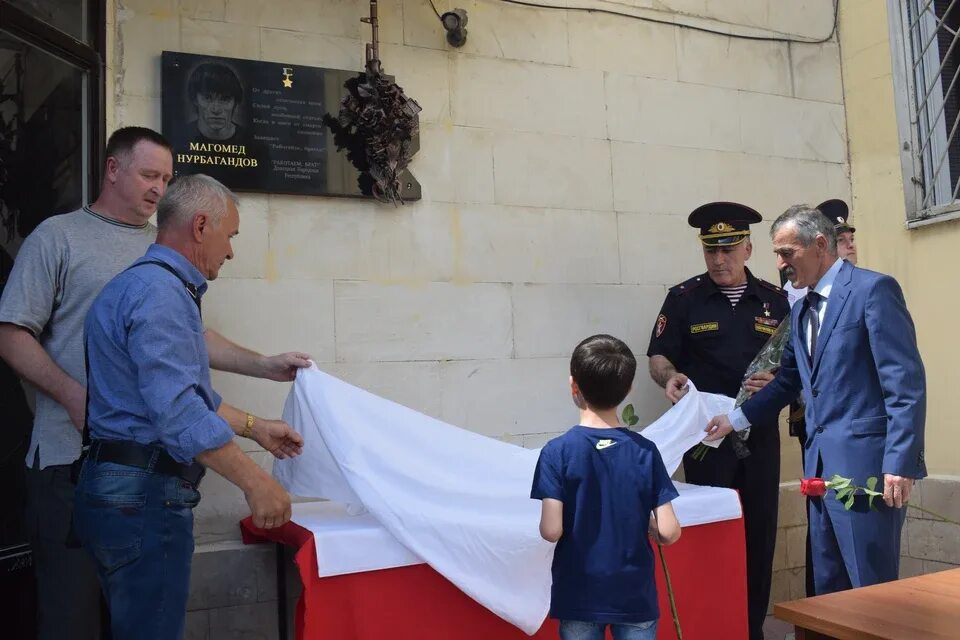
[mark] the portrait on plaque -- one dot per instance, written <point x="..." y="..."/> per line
<point x="213" y="134"/>
<point x="260" y="126"/>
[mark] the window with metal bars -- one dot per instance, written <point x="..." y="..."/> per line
<point x="925" y="40"/>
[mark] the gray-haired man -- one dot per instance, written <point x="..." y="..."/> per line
<point x="155" y="420"/>
<point x="59" y="270"/>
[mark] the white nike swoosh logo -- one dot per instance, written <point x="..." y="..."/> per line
<point x="603" y="444"/>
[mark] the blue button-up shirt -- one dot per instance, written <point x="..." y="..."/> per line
<point x="149" y="371"/>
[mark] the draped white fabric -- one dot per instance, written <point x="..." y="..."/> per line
<point x="681" y="428"/>
<point x="348" y="543"/>
<point x="455" y="499"/>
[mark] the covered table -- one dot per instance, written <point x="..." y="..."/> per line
<point x="359" y="583"/>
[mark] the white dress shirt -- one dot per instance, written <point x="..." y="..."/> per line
<point x="793" y="295"/>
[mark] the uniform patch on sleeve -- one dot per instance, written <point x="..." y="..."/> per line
<point x="704" y="327"/>
<point x="762" y="328"/>
<point x="661" y="324"/>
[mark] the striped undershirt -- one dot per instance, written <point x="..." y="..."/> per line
<point x="734" y="293"/>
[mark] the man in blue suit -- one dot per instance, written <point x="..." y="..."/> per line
<point x="853" y="354"/>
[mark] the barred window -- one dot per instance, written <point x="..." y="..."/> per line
<point x="925" y="41"/>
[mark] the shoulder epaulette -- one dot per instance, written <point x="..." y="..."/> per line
<point x="772" y="287"/>
<point x="689" y="285"/>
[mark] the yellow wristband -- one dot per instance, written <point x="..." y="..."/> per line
<point x="248" y="428"/>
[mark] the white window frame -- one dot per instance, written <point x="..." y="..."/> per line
<point x="919" y="100"/>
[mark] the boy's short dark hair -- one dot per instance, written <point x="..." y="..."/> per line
<point x="211" y="78"/>
<point x="121" y="143"/>
<point x="603" y="368"/>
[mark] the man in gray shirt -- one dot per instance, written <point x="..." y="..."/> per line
<point x="58" y="272"/>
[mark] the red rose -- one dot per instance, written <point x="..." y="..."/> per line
<point x="813" y="487"/>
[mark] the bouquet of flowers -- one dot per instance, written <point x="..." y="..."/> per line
<point x="766" y="361"/>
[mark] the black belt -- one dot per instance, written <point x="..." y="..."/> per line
<point x="144" y="456"/>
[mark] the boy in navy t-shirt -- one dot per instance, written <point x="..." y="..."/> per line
<point x="604" y="488"/>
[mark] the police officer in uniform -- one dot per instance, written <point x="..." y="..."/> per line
<point x="837" y="212"/>
<point x="709" y="330"/>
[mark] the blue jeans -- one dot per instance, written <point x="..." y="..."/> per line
<point x="138" y="526"/>
<point x="575" y="630"/>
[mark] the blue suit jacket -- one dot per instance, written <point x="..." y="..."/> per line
<point x="865" y="391"/>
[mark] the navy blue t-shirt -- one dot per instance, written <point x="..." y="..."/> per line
<point x="609" y="481"/>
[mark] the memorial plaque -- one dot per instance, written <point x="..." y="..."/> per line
<point x="262" y="126"/>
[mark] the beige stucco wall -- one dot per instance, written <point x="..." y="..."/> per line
<point x="919" y="258"/>
<point x="561" y="153"/>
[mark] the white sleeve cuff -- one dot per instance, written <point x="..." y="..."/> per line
<point x="738" y="420"/>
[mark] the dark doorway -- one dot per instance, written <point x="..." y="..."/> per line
<point x="51" y="141"/>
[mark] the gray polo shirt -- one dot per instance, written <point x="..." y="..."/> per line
<point x="59" y="270"/>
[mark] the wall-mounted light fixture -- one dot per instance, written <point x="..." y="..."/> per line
<point x="455" y="22"/>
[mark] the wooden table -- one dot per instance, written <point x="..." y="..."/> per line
<point x="926" y="607"/>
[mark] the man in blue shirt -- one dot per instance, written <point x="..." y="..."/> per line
<point x="155" y="421"/>
<point x="603" y="489"/>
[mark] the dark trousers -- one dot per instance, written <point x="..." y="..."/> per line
<point x="68" y="592"/>
<point x="757" y="479"/>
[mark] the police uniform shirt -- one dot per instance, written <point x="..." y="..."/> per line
<point x="711" y="341"/>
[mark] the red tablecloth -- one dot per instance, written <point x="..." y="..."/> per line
<point x="707" y="568"/>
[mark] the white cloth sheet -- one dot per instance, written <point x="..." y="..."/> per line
<point x="455" y="499"/>
<point x="703" y="505"/>
<point x="354" y="543"/>
<point x="350" y="543"/>
<point x="681" y="428"/>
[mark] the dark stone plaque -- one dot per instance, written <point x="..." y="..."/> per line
<point x="260" y="126"/>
